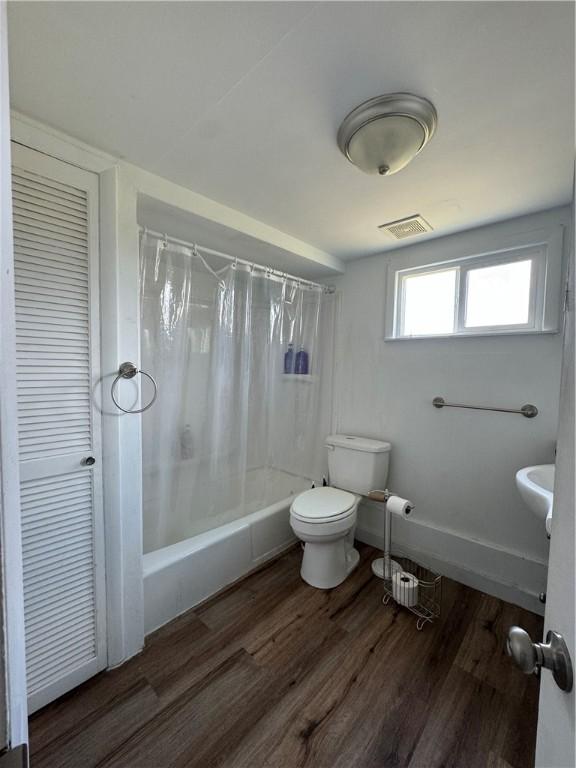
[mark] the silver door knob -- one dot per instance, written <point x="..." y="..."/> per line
<point x="531" y="657"/>
<point x="89" y="461"/>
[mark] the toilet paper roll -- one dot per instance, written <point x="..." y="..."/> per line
<point x="405" y="588"/>
<point x="399" y="506"/>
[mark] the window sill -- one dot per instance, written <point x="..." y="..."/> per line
<point x="484" y="335"/>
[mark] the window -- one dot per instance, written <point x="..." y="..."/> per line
<point x="428" y="302"/>
<point x="512" y="291"/>
<point x="499" y="295"/>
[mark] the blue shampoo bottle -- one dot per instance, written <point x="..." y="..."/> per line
<point x="301" y="365"/>
<point x="289" y="359"/>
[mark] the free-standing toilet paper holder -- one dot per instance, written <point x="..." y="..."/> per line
<point x="384" y="496"/>
<point x="406" y="582"/>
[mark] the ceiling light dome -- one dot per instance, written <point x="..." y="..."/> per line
<point x="384" y="134"/>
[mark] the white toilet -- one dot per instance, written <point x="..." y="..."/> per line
<point x="325" y="518"/>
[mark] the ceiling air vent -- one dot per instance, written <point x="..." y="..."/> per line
<point x="408" y="227"/>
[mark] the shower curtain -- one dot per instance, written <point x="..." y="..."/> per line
<point x="230" y="432"/>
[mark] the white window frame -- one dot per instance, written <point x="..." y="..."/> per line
<point x="544" y="250"/>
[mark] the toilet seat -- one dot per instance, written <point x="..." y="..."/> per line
<point x="323" y="505"/>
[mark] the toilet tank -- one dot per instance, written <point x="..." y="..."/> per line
<point x="357" y="464"/>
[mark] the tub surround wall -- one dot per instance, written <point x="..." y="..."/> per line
<point x="457" y="466"/>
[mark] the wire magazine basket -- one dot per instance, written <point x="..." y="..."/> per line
<point x="412" y="586"/>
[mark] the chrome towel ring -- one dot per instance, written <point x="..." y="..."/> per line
<point x="128" y="371"/>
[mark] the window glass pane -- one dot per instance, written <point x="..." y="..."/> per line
<point x="429" y="301"/>
<point x="498" y="295"/>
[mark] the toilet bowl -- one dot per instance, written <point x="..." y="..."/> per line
<point x="325" y="519"/>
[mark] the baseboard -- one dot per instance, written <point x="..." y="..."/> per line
<point x="498" y="572"/>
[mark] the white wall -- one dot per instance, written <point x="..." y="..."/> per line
<point x="457" y="466"/>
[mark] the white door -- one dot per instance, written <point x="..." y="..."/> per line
<point x="55" y="209"/>
<point x="556" y="717"/>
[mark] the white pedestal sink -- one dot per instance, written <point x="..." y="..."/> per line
<point x="536" y="486"/>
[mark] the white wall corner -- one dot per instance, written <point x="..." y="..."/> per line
<point x="121" y="432"/>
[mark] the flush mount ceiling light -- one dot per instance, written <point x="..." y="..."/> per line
<point x="384" y="134"/>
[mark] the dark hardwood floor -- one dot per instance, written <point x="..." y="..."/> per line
<point x="276" y="674"/>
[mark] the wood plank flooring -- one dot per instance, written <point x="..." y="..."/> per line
<point x="276" y="674"/>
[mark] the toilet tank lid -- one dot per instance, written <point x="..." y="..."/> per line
<point x="353" y="443"/>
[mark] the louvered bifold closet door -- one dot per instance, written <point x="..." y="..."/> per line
<point x="56" y="280"/>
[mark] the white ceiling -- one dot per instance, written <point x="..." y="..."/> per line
<point x="242" y="101"/>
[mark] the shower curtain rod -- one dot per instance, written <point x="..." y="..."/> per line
<point x="210" y="251"/>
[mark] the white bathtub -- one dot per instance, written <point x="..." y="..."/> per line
<point x="179" y="576"/>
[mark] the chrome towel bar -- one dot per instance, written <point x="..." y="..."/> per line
<point x="530" y="411"/>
